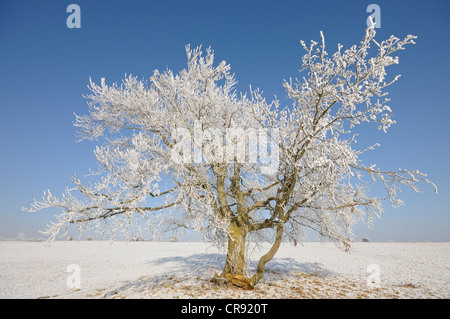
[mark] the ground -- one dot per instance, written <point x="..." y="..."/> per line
<point x="184" y="270"/>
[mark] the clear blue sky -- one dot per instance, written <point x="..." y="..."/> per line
<point x="45" y="67"/>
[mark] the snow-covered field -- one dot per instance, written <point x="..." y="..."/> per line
<point x="183" y="270"/>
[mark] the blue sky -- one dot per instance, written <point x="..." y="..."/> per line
<point x="45" y="68"/>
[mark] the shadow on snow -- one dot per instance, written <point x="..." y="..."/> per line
<point x="202" y="267"/>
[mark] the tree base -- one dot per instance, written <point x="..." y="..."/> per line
<point x="233" y="280"/>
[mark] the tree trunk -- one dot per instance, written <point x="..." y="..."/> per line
<point x="268" y="256"/>
<point x="235" y="262"/>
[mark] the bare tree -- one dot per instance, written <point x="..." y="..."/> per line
<point x="21" y="236"/>
<point x="188" y="151"/>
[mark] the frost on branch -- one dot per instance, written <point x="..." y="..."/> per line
<point x="145" y="177"/>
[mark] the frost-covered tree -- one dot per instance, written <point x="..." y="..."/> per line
<point x="179" y="151"/>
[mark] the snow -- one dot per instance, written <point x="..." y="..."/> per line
<point x="183" y="270"/>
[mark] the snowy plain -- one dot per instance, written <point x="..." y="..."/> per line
<point x="184" y="270"/>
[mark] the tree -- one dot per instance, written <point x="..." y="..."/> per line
<point x="188" y="151"/>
